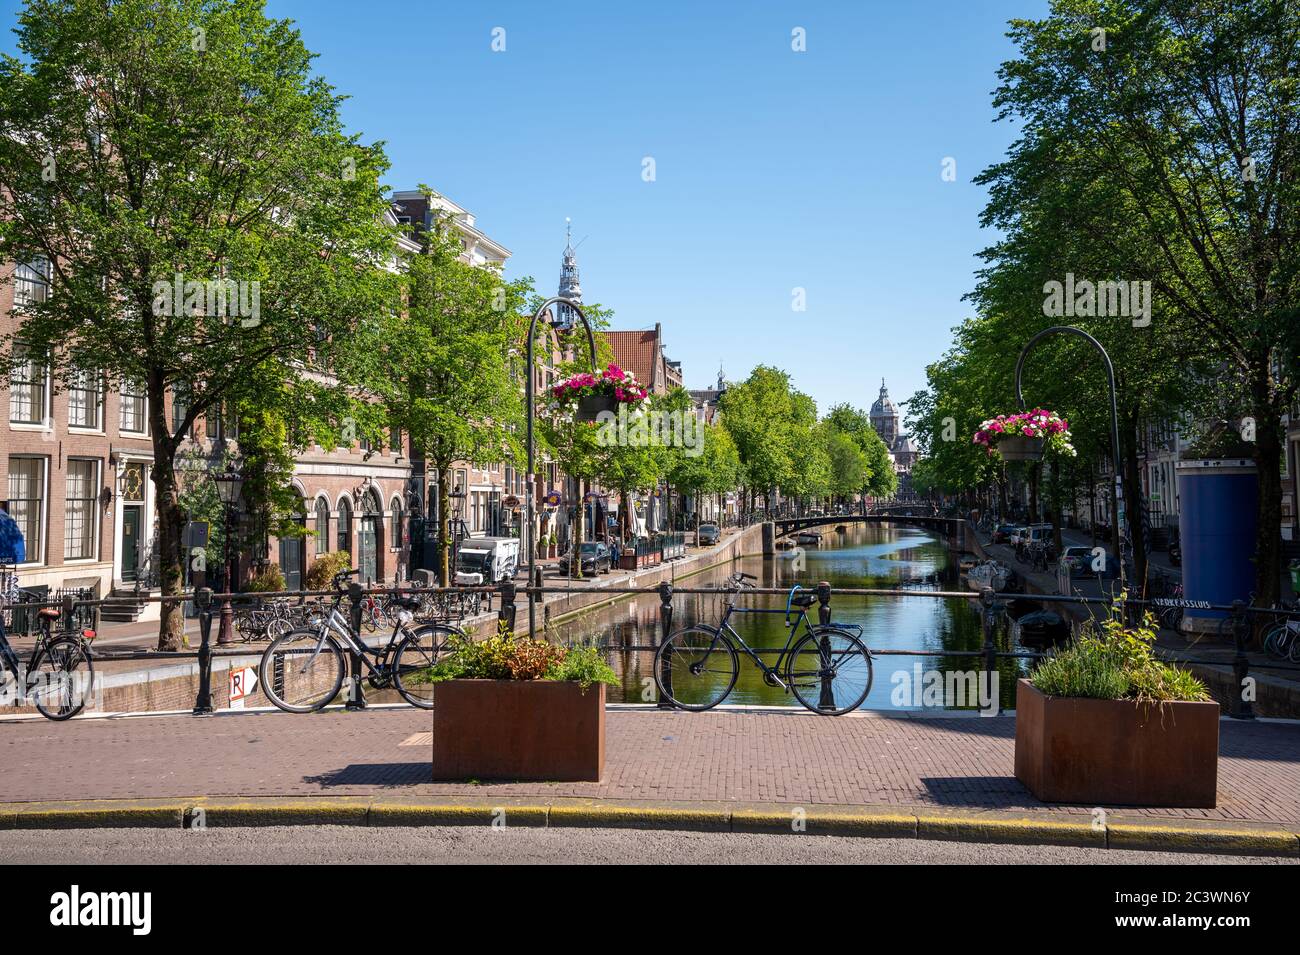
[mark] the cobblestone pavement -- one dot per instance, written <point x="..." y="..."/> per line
<point x="745" y="756"/>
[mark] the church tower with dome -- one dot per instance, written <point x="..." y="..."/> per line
<point x="884" y="417"/>
<point x="902" y="448"/>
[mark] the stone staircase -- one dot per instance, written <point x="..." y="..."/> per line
<point x="122" y="606"/>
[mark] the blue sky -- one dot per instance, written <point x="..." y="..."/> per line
<point x="775" y="170"/>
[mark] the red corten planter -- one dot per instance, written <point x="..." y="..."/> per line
<point x="1117" y="752"/>
<point x="518" y="729"/>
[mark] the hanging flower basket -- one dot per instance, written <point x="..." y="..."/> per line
<point x="1022" y="449"/>
<point x="583" y="397"/>
<point x="1026" y="436"/>
<point x="590" y="407"/>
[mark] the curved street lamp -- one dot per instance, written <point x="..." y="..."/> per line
<point x="530" y="477"/>
<point x="1114" y="423"/>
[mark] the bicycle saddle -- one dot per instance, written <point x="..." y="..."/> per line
<point x="407" y="603"/>
<point x="48" y="613"/>
<point x="803" y="600"/>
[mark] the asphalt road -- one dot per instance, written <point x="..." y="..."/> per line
<point x="347" y="844"/>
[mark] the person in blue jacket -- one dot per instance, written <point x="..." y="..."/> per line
<point x="13" y="550"/>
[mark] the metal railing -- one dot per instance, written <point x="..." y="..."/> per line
<point x="511" y="596"/>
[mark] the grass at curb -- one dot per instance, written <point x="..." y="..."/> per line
<point x="953" y="825"/>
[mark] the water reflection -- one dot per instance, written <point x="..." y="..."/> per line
<point x="862" y="556"/>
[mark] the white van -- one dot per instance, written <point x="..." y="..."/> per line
<point x="487" y="560"/>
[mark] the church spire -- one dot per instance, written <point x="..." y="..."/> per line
<point x="569" y="285"/>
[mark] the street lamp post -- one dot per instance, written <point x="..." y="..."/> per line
<point x="228" y="485"/>
<point x="1114" y="423"/>
<point x="531" y="479"/>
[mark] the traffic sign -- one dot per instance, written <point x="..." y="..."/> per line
<point x="243" y="683"/>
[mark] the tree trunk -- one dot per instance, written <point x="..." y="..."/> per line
<point x="171" y="576"/>
<point x="444" y="526"/>
<point x="579" y="524"/>
<point x="1035" y="474"/>
<point x="1268" y="463"/>
<point x="1133" y="494"/>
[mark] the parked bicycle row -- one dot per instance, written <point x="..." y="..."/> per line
<point x="270" y="618"/>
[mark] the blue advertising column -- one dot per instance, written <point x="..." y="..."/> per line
<point x="1217" y="520"/>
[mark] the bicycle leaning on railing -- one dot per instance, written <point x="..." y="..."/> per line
<point x="828" y="669"/>
<point x="58" y="678"/>
<point x="303" y="670"/>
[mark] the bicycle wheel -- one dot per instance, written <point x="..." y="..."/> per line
<point x="829" y="671"/>
<point x="699" y="666"/>
<point x="61" y="679"/>
<point x="413" y="664"/>
<point x="296" y="677"/>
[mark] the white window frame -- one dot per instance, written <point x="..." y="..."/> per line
<point x="42" y="381"/>
<point x="96" y="481"/>
<point x="144" y="408"/>
<point x="98" y="426"/>
<point x="43" y="513"/>
<point x="38" y="279"/>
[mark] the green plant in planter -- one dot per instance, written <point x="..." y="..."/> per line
<point x="506" y="657"/>
<point x="1116" y="662"/>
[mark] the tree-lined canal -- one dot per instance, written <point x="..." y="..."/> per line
<point x="863" y="556"/>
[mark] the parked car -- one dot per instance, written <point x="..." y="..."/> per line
<point x="709" y="534"/>
<point x="1016" y="535"/>
<point x="1077" y="559"/>
<point x="594" y="556"/>
<point x="1002" y="533"/>
<point x="1080" y="559"/>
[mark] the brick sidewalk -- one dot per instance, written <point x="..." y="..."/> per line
<point x="758" y="757"/>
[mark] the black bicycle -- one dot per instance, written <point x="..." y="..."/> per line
<point x="58" y="678"/>
<point x="828" y="669"/>
<point x="304" y="670"/>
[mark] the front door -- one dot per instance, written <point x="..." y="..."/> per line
<point x="132" y="524"/>
<point x="291" y="549"/>
<point x="367" y="548"/>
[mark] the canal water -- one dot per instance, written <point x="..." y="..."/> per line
<point x="863" y="556"/>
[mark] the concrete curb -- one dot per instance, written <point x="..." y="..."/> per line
<point x="1226" y="837"/>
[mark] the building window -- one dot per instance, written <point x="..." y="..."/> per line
<point x="80" y="521"/>
<point x="85" y="399"/>
<point x="345" y="526"/>
<point x="397" y="523"/>
<point x="322" y="526"/>
<point x="133" y="407"/>
<point x="27" y="503"/>
<point x="212" y="422"/>
<point x="28" y="388"/>
<point x="180" y="408"/>
<point x="32" y="283"/>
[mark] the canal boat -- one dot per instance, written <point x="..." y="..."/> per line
<point x="991" y="574"/>
<point x="808" y="537"/>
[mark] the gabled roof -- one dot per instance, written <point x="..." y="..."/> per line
<point x="637" y="352"/>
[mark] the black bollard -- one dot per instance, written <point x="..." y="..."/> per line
<point x="666" y="628"/>
<point x="356" y="693"/>
<point x="826" y="700"/>
<point x="990" y="649"/>
<point x="506" y="615"/>
<point x="1239" y="707"/>
<point x="203" y="702"/>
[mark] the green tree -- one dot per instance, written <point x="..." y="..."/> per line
<point x="144" y="141"/>
<point x="445" y="369"/>
<point x="1183" y="118"/>
<point x="880" y="480"/>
